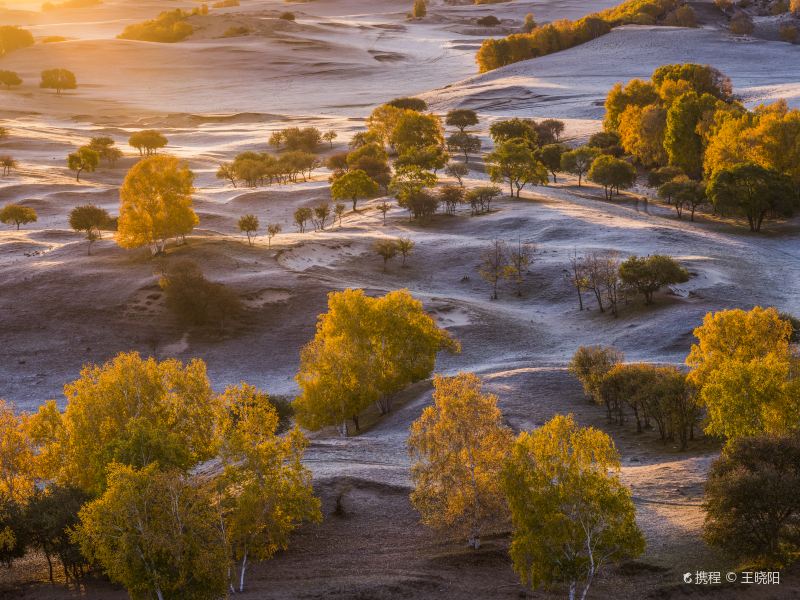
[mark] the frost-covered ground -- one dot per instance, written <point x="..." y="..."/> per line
<point x="215" y="97"/>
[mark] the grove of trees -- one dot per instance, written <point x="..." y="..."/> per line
<point x="743" y="162"/>
<point x="111" y="483"/>
<point x="563" y="34"/>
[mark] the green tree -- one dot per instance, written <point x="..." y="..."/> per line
<point x="89" y="219"/>
<point x="683" y="143"/>
<point x="84" y="159"/>
<point x="612" y="173"/>
<point x="248" y="224"/>
<point x="154" y="532"/>
<point x="514" y="162"/>
<point x="9" y="79"/>
<point x="14" y="38"/>
<point x="416" y="130"/>
<point x="148" y="142"/>
<point x="330" y="136"/>
<point x="458" y="171"/>
<point x="741" y="365"/>
<point x="17" y="214"/>
<point x="464" y="143"/>
<point x="58" y="80"/>
<point x="516" y="128"/>
<point x="265" y="491"/>
<point x="570" y="513"/>
<point x="194" y="299"/>
<point x="590" y="365"/>
<point x="753" y="192"/>
<point x="301" y="217"/>
<point x="751" y="501"/>
<point x="384" y="207"/>
<point x="405" y="103"/>
<point x="386" y="249"/>
<point x="136" y="412"/>
<point x="6" y="161"/>
<point x="649" y="274"/>
<point x="404" y="247"/>
<point x="338" y="212"/>
<point x="550" y="156"/>
<point x="50" y="515"/>
<point x="273" y="229"/>
<point x="659" y="394"/>
<point x="687" y="194"/>
<point x="156" y="203"/>
<point x="354" y="185"/>
<point x="104" y="146"/>
<point x="364" y="351"/>
<point x="458" y="446"/>
<point x="578" y="161"/>
<point x="494" y="264"/>
<point x="461" y="118"/>
<point x="228" y="172"/>
<point x="410" y="180"/>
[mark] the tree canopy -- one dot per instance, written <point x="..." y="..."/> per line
<point x="364" y="351"/>
<point x="58" y="80"/>
<point x="353" y="185"/>
<point x="136" y="412"/>
<point x="17" y="214"/>
<point x="156" y="203"/>
<point x="743" y="366"/>
<point x="570" y="513"/>
<point x="752" y="192"/>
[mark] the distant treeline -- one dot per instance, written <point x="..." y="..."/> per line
<point x="564" y="34"/>
<point x="14" y="38"/>
<point x="169" y="27"/>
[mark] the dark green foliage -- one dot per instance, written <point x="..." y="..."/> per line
<point x="753" y="500"/>
<point x="753" y="192"/>
<point x="49" y="516"/>
<point x="648" y="275"/>
<point x="461" y="118"/>
<point x="795" y="323"/>
<point x="417" y="104"/>
<point x="197" y="301"/>
<point x="607" y="142"/>
<point x="15" y="534"/>
<point x="659" y="177"/>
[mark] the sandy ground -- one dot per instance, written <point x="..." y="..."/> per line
<point x="215" y="97"/>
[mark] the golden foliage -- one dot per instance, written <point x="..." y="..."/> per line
<point x="156" y="203"/>
<point x="459" y="445"/>
<point x="365" y="350"/>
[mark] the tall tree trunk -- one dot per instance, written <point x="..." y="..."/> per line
<point x="242" y="571"/>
